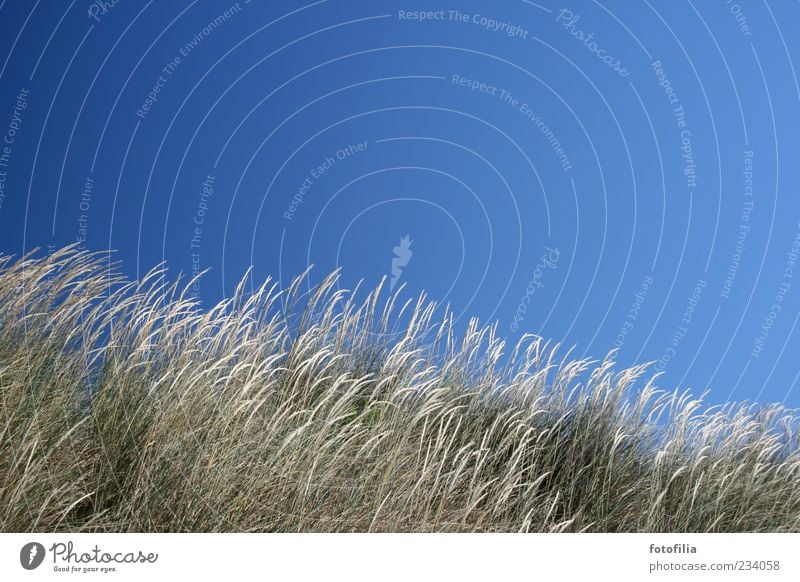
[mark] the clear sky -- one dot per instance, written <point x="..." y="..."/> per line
<point x="607" y="174"/>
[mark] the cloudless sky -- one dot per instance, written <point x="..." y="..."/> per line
<point x="607" y="174"/>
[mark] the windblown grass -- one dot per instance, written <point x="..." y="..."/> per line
<point x="124" y="407"/>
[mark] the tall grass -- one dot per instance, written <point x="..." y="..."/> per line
<point x="124" y="407"/>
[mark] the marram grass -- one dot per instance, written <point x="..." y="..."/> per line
<point x="124" y="407"/>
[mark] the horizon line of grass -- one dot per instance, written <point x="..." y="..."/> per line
<point x="125" y="407"/>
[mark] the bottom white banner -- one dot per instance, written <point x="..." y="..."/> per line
<point x="400" y="556"/>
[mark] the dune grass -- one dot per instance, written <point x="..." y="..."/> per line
<point x="124" y="407"/>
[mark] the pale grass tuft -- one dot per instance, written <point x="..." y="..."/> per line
<point x="125" y="407"/>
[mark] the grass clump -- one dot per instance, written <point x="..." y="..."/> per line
<point x="125" y="407"/>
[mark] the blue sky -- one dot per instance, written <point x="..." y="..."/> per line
<point x="607" y="174"/>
